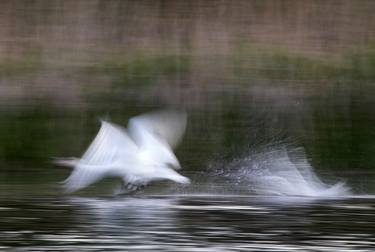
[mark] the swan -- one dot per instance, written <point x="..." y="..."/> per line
<point x="137" y="155"/>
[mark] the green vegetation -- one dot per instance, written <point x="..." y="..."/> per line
<point x="139" y="68"/>
<point x="34" y="134"/>
<point x="277" y="63"/>
<point x="132" y="70"/>
<point x="361" y="63"/>
<point x="27" y="63"/>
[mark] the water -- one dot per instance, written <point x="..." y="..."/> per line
<point x="279" y="146"/>
<point x="187" y="223"/>
<point x="268" y="201"/>
<point x="272" y="171"/>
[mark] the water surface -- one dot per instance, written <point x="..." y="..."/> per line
<point x="187" y="223"/>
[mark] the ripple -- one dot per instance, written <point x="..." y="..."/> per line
<point x="188" y="223"/>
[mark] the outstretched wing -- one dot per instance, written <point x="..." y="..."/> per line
<point x="110" y="142"/>
<point x="82" y="176"/>
<point x="167" y="125"/>
<point x="156" y="133"/>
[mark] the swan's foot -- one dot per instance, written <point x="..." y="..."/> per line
<point x="132" y="187"/>
<point x="128" y="189"/>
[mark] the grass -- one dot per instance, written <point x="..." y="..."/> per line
<point x="276" y="63"/>
<point x="27" y="63"/>
<point x="143" y="68"/>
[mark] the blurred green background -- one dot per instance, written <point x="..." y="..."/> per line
<point x="247" y="73"/>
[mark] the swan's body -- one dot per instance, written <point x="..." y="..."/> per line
<point x="138" y="155"/>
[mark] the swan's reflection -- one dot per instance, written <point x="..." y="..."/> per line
<point x="127" y="214"/>
<point x="130" y="221"/>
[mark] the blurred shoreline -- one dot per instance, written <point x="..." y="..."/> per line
<point x="81" y="47"/>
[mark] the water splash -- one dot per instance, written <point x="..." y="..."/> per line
<point x="278" y="170"/>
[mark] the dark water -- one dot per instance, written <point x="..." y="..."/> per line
<point x="258" y="80"/>
<point x="187" y="223"/>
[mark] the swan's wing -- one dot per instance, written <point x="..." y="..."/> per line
<point x="95" y="163"/>
<point x="166" y="125"/>
<point x="156" y="133"/>
<point x="108" y="143"/>
<point x="84" y="175"/>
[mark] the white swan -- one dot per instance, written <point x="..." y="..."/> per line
<point x="138" y="155"/>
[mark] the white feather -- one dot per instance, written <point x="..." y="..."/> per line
<point x="166" y="125"/>
<point x="141" y="154"/>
